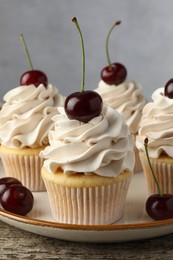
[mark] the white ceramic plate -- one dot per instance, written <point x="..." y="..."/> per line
<point x="134" y="225"/>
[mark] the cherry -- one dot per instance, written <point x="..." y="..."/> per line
<point x="17" y="199"/>
<point x="83" y="105"/>
<point x="35" y="77"/>
<point x="158" y="206"/>
<point x="114" y="73"/>
<point x="168" y="90"/>
<point x="6" y="182"/>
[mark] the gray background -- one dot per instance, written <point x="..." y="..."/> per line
<point x="143" y="42"/>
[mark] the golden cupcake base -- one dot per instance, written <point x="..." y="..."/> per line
<point x="86" y="200"/>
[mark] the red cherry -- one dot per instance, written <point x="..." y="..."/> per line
<point x="35" y="77"/>
<point x="17" y="199"/>
<point x="83" y="106"/>
<point x="114" y="74"/>
<point x="168" y="90"/>
<point x="6" y="182"/>
<point x="160" y="207"/>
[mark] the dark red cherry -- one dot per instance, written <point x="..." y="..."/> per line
<point x="17" y="199"/>
<point x="6" y="182"/>
<point x="83" y="106"/>
<point x="168" y="90"/>
<point x="35" y="77"/>
<point x="114" y="74"/>
<point x="160" y="207"/>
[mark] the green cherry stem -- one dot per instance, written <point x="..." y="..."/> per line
<point x="27" y="52"/>
<point x="149" y="162"/>
<point x="107" y="41"/>
<point x="74" y="19"/>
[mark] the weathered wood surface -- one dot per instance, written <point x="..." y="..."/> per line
<point x="19" y="244"/>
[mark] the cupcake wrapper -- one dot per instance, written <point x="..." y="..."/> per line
<point x="27" y="169"/>
<point x="87" y="206"/>
<point x="163" y="172"/>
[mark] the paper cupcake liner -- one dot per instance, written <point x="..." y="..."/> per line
<point x="163" y="169"/>
<point x="87" y="205"/>
<point x="27" y="169"/>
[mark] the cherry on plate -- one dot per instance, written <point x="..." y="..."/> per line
<point x="160" y="207"/>
<point x="17" y="199"/>
<point x="5" y="182"/>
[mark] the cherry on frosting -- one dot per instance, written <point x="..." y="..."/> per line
<point x="83" y="105"/>
<point x="168" y="90"/>
<point x="114" y="73"/>
<point x="35" y="77"/>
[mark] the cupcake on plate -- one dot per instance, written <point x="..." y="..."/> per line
<point x="157" y="126"/>
<point x="25" y="120"/>
<point x="122" y="94"/>
<point x="88" y="167"/>
<point x="89" y="163"/>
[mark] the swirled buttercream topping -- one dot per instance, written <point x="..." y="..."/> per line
<point x="102" y="146"/>
<point x="126" y="98"/>
<point x="25" y="117"/>
<point x="157" y="125"/>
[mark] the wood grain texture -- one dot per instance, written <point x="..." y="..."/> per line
<point x="19" y="244"/>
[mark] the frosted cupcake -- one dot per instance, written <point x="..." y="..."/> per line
<point x="25" y="120"/>
<point x="88" y="168"/>
<point x="89" y="162"/>
<point x="122" y="94"/>
<point x="157" y="125"/>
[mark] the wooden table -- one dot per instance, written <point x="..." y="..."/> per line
<point x="19" y="244"/>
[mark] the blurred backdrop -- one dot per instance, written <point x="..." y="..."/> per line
<point x="143" y="42"/>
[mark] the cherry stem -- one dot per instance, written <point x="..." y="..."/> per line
<point x="107" y="41"/>
<point x="27" y="52"/>
<point x="74" y="19"/>
<point x="149" y="162"/>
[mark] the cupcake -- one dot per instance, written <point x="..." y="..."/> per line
<point x="157" y="126"/>
<point x="89" y="162"/>
<point x="88" y="168"/>
<point x="25" y="120"/>
<point x="122" y="94"/>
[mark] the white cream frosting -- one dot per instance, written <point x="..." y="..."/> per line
<point x="126" y="98"/>
<point x="25" y="117"/>
<point x="157" y="125"/>
<point x="104" y="145"/>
